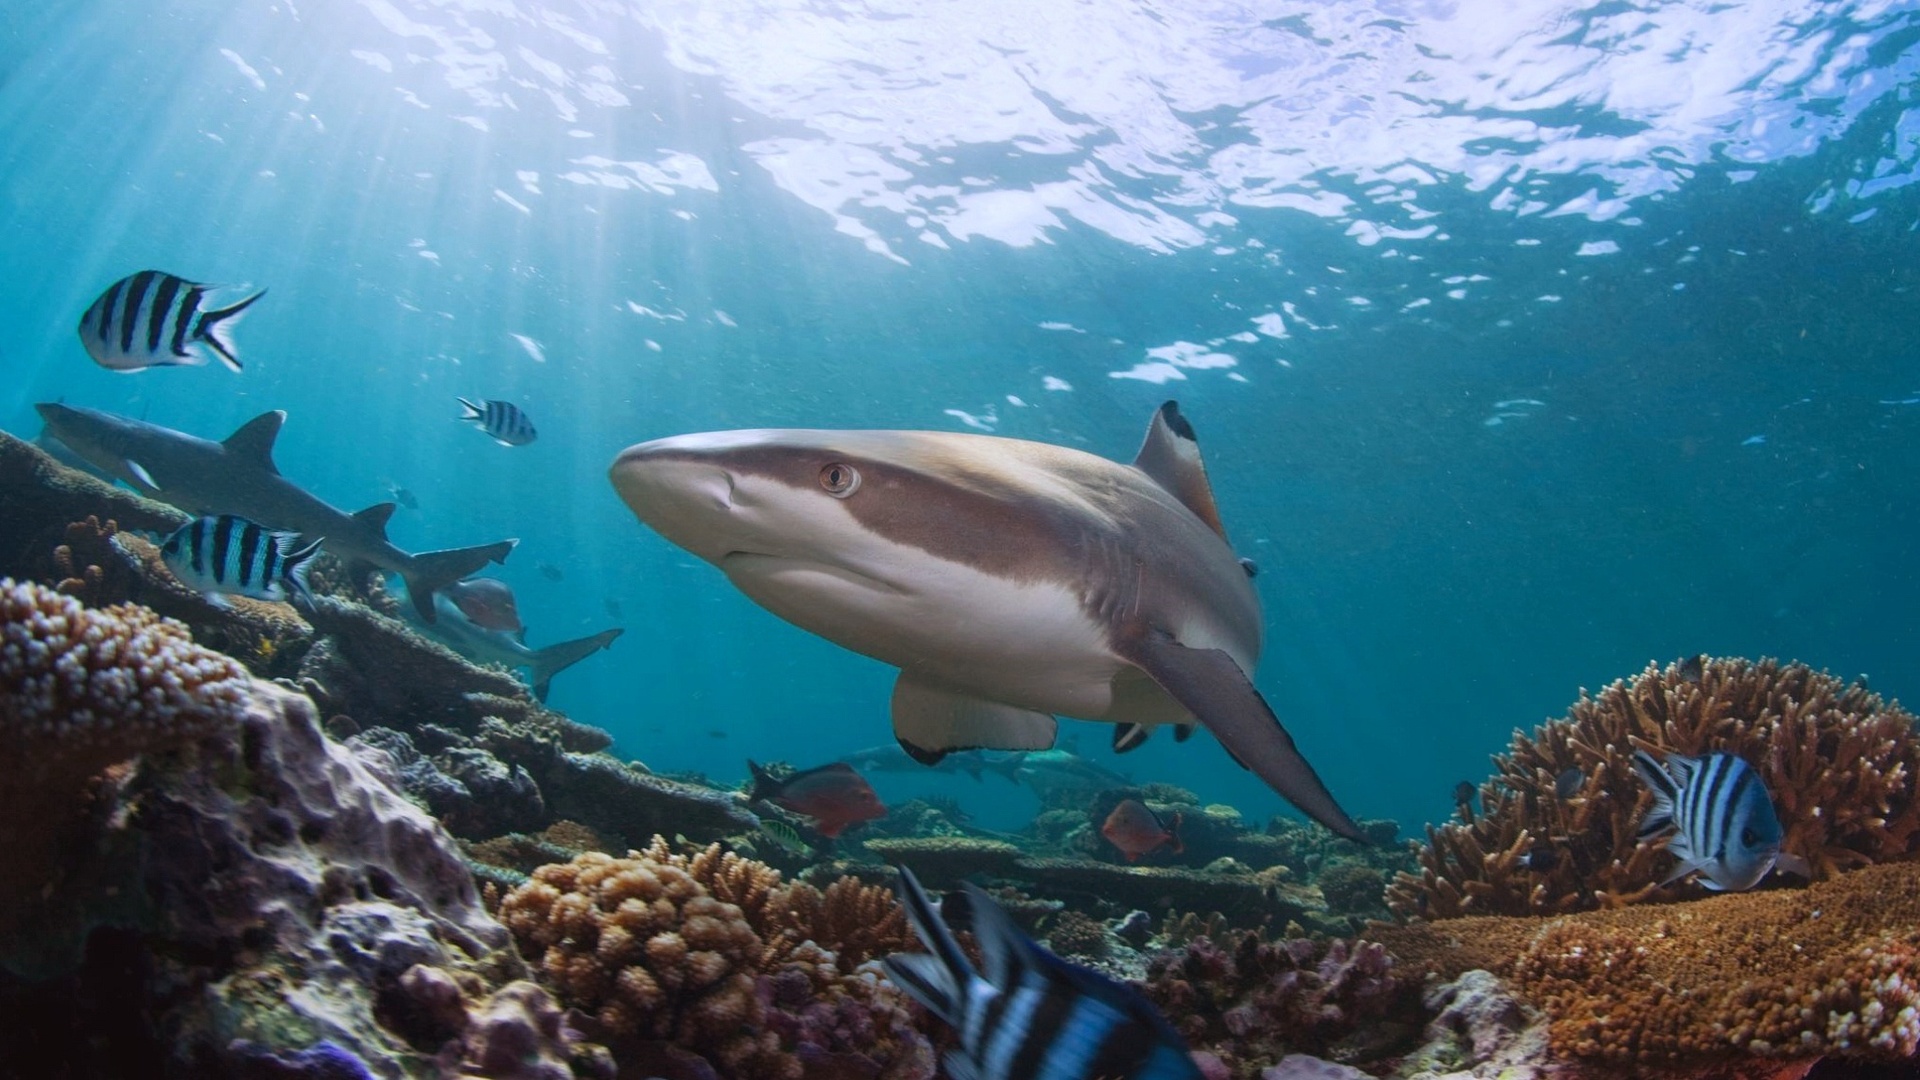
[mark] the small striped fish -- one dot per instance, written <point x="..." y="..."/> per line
<point x="501" y="419"/>
<point x="1723" y="818"/>
<point x="151" y="319"/>
<point x="1033" y="1016"/>
<point x="231" y="555"/>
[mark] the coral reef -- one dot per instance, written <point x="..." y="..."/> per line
<point x="941" y="861"/>
<point x="1250" y="1001"/>
<point x="715" y="955"/>
<point x="1832" y="969"/>
<point x="259" y="893"/>
<point x="1840" y="762"/>
<point x="81" y="690"/>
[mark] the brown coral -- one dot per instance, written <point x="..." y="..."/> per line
<point x="1839" y="761"/>
<point x="717" y="955"/>
<point x="1831" y="969"/>
<point x="81" y="689"/>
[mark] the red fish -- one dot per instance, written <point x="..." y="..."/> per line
<point x="1137" y="830"/>
<point x="834" y="796"/>
<point x="488" y="602"/>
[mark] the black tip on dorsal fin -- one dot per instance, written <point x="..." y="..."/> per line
<point x="254" y="439"/>
<point x="377" y="516"/>
<point x="1171" y="456"/>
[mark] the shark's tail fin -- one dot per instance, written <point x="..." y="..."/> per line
<point x="215" y="327"/>
<point x="555" y="659"/>
<point x="435" y="570"/>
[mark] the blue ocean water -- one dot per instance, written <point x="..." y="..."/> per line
<point x="1527" y="342"/>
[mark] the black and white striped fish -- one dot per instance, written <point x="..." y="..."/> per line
<point x="1033" y="1016"/>
<point x="153" y="319"/>
<point x="230" y="555"/>
<point x="501" y="419"/>
<point x="1724" y="822"/>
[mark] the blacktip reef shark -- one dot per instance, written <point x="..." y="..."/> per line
<point x="1009" y="581"/>
<point x="238" y="477"/>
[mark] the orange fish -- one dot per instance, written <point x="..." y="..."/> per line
<point x="1137" y="830"/>
<point x="834" y="796"/>
<point x="488" y="602"/>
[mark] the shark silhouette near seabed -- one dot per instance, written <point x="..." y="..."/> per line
<point x="1009" y="581"/>
<point x="238" y="477"/>
<point x="468" y="638"/>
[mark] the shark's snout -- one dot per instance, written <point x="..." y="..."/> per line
<point x="681" y="491"/>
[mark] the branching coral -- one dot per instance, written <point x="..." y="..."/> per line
<point x="717" y="955"/>
<point x="1840" y="763"/>
<point x="1251" y="1001"/>
<point x="1831" y="969"/>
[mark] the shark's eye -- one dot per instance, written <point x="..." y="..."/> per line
<point x="840" y="480"/>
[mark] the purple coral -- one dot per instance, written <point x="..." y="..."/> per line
<point x="1251" y="1001"/>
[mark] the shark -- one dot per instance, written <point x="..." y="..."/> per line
<point x="237" y="476"/>
<point x="891" y="758"/>
<point x="470" y="639"/>
<point x="1009" y="581"/>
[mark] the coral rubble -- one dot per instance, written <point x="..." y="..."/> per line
<point x="1840" y="762"/>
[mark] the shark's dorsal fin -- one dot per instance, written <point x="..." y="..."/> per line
<point x="1171" y="456"/>
<point x="254" y="439"/>
<point x="377" y="516"/>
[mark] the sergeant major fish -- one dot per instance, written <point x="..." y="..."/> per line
<point x="228" y="555"/>
<point x="1032" y="1015"/>
<point x="154" y="319"/>
<point x="1724" y="821"/>
<point x="502" y="420"/>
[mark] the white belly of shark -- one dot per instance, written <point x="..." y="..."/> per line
<point x="1009" y="581"/>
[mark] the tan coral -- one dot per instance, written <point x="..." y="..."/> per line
<point x="1831" y="969"/>
<point x="1839" y="761"/>
<point x="717" y="955"/>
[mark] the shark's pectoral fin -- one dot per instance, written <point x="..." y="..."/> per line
<point x="1210" y="685"/>
<point x="141" y="476"/>
<point x="931" y="722"/>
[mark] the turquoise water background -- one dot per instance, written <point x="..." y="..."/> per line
<point x="1526" y="342"/>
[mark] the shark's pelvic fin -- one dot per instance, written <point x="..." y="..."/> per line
<point x="432" y="571"/>
<point x="1129" y="736"/>
<point x="1209" y="684"/>
<point x="1171" y="456"/>
<point x="253" y="440"/>
<point x="555" y="659"/>
<point x="376" y="517"/>
<point x="930" y="722"/>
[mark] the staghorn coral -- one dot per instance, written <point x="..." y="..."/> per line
<point x="1250" y="1001"/>
<point x="1832" y="969"/>
<point x="716" y="955"/>
<point x="1839" y="761"/>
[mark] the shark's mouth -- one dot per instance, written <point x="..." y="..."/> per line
<point x="760" y="566"/>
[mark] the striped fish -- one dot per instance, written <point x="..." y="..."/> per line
<point x="153" y="319"/>
<point x="233" y="556"/>
<point x="501" y="419"/>
<point x="1723" y="819"/>
<point x="1033" y="1016"/>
